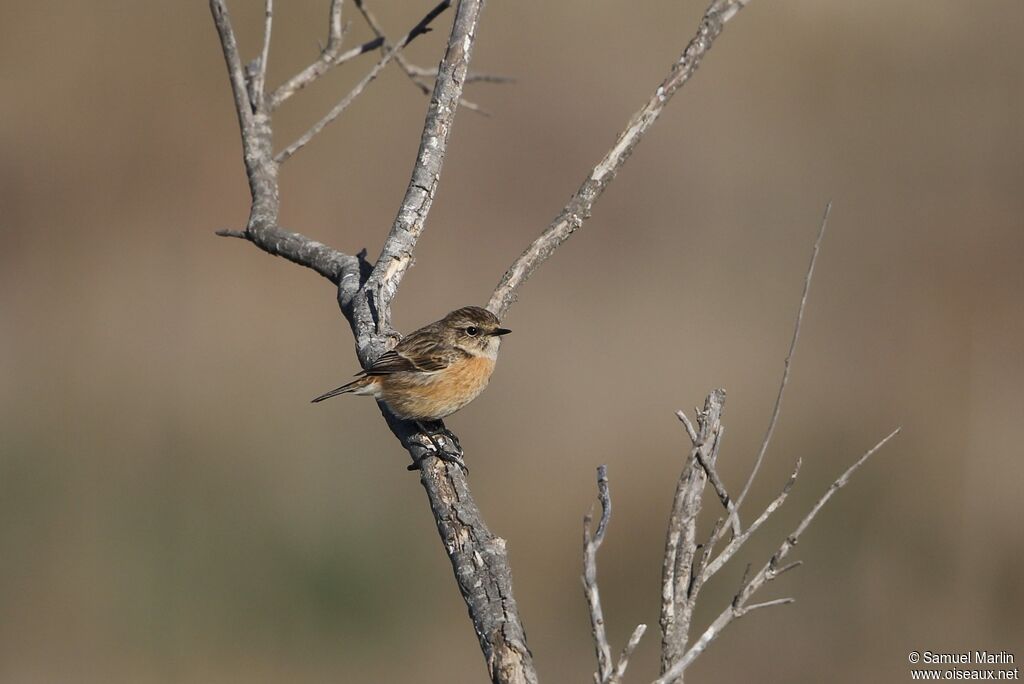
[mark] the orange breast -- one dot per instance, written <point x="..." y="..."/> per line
<point x="421" y="396"/>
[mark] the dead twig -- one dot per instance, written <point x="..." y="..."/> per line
<point x="770" y="571"/>
<point x="416" y="74"/>
<point x="677" y="570"/>
<point x="358" y="89"/>
<point x="332" y="56"/>
<point x="608" y="672"/>
<point x="789" y="359"/>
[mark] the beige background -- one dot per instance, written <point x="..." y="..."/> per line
<point x="172" y="509"/>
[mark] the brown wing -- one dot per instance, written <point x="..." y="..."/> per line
<point x="420" y="351"/>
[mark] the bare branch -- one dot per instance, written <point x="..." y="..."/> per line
<point x="681" y="541"/>
<point x="786" y="568"/>
<point x="836" y="486"/>
<point x="324" y="63"/>
<point x="332" y="56"/>
<point x="697" y="573"/>
<point x="260" y="80"/>
<point x="396" y="254"/>
<point x="708" y="464"/>
<point x="335" y="28"/>
<point x="227" y="232"/>
<point x="740" y="612"/>
<point x="297" y="248"/>
<point x="236" y="74"/>
<point x="691" y="433"/>
<point x="767" y="573"/>
<point x="481" y="568"/>
<point x="789" y="358"/>
<point x="734" y="545"/>
<point x="470" y="78"/>
<point x="627" y="652"/>
<point x="590" y="546"/>
<point x="579" y="207"/>
<point x="607" y="671"/>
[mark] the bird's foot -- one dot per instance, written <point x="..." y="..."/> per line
<point x="439" y="451"/>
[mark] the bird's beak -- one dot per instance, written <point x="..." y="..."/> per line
<point x="498" y="332"/>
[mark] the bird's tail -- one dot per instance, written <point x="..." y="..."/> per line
<point x="353" y="386"/>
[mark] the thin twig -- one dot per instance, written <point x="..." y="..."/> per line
<point x="697" y="573"/>
<point x="259" y="82"/>
<point x="335" y="27"/>
<point x="708" y="464"/>
<point x="286" y="154"/>
<point x="740" y="612"/>
<point x="357" y="90"/>
<point x="331" y="56"/>
<point x="734" y="545"/>
<point x="236" y="74"/>
<point x="691" y="433"/>
<point x="789" y="358"/>
<point x="413" y="72"/>
<point x="227" y="232"/>
<point x="579" y="208"/>
<point x="627" y="652"/>
<point x="836" y="486"/>
<point x="786" y="568"/>
<point x="470" y="78"/>
<point x="591" y="544"/>
<point x="608" y="672"/>
<point x="324" y="63"/>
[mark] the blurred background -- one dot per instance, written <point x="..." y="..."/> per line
<point x="172" y="508"/>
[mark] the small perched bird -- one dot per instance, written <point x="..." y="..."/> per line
<point x="434" y="371"/>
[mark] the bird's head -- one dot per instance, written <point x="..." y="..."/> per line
<point x="474" y="330"/>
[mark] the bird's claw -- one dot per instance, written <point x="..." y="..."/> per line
<point x="439" y="451"/>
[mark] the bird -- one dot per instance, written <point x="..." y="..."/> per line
<point x="434" y="371"/>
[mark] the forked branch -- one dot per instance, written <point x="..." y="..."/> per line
<point x="771" y="570"/>
<point x="687" y="564"/>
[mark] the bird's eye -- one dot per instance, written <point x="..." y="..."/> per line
<point x="472" y="331"/>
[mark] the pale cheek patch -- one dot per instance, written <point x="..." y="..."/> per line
<point x="491" y="351"/>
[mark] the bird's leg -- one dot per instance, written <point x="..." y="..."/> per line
<point x="439" y="450"/>
<point x="451" y="435"/>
